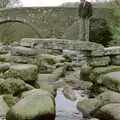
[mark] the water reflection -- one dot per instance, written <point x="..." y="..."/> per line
<point x="65" y="108"/>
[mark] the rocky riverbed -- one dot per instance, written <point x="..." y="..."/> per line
<point x="47" y="84"/>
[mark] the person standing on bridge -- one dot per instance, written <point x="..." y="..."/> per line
<point x="85" y="12"/>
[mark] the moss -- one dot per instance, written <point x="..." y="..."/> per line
<point x="10" y="100"/>
<point x="12" y="86"/>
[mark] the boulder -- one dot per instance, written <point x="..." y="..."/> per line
<point x="4" y="67"/>
<point x="50" y="78"/>
<point x="85" y="72"/>
<point x="3" y="108"/>
<point x="30" y="43"/>
<point x="99" y="61"/>
<point x="115" y="60"/>
<point x="4" y="49"/>
<point x="97" y="53"/>
<point x="96" y="72"/>
<point x="23" y="51"/>
<point x="52" y="89"/>
<point x="33" y="107"/>
<point x="88" y="106"/>
<point x="5" y="57"/>
<point x="12" y="86"/>
<point x="26" y="72"/>
<point x="115" y="50"/>
<point x="109" y="97"/>
<point x="93" y="119"/>
<point x="34" y="92"/>
<point x="73" y="79"/>
<point x="44" y="67"/>
<point x="51" y="59"/>
<point x="69" y="93"/>
<point x="109" y="112"/>
<point x="24" y="59"/>
<point x="111" y="80"/>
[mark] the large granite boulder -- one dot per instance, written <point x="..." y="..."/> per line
<point x="85" y="72"/>
<point x="23" y="51"/>
<point x="28" y="42"/>
<point x="69" y="93"/>
<point x="50" y="78"/>
<point x="44" y="67"/>
<point x="23" y="60"/>
<point x="5" y="57"/>
<point x="88" y="106"/>
<point x="96" y="72"/>
<point x="4" y="66"/>
<point x="26" y="72"/>
<point x="73" y="79"/>
<point x="111" y="80"/>
<point x="99" y="61"/>
<point x="34" y="92"/>
<point x="115" y="60"/>
<point x="4" y="49"/>
<point x="33" y="107"/>
<point x="115" y="50"/>
<point x="51" y="59"/>
<point x="109" y="112"/>
<point x="109" y="97"/>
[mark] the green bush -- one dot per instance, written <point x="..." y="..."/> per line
<point x="100" y="31"/>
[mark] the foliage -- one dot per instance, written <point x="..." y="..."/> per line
<point x="115" y="27"/>
<point x="100" y="31"/>
<point x="9" y="3"/>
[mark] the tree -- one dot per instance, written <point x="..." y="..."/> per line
<point x="9" y="3"/>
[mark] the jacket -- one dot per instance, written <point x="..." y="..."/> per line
<point x="85" y="11"/>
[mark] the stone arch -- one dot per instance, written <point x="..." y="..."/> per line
<point x="25" y="22"/>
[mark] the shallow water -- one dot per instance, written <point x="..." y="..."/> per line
<point x="66" y="109"/>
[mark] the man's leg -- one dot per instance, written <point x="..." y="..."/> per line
<point x="87" y="29"/>
<point x="82" y="29"/>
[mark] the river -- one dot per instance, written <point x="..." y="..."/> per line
<point x="65" y="108"/>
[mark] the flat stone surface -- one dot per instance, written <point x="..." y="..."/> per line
<point x="115" y="60"/>
<point x="99" y="61"/>
<point x="4" y="67"/>
<point x="53" y="43"/>
<point x="112" y="50"/>
<point x="26" y="42"/>
<point x="96" y="72"/>
<point x="26" y="72"/>
<point x="4" y="49"/>
<point x="23" y="51"/>
<point x="99" y="52"/>
<point x="5" y="57"/>
<point x="109" y="112"/>
<point x="111" y="80"/>
<point x="23" y="59"/>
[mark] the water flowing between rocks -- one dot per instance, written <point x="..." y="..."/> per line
<point x="65" y="108"/>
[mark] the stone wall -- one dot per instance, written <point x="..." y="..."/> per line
<point x="48" y="22"/>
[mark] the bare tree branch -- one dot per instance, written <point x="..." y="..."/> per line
<point x="9" y="3"/>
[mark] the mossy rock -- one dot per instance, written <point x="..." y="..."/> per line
<point x="33" y="107"/>
<point x="88" y="106"/>
<point x="96" y="72"/>
<point x="109" y="112"/>
<point x="12" y="86"/>
<point x="26" y="72"/>
<point x="10" y="99"/>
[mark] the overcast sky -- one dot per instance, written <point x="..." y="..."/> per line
<point x="29" y="3"/>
